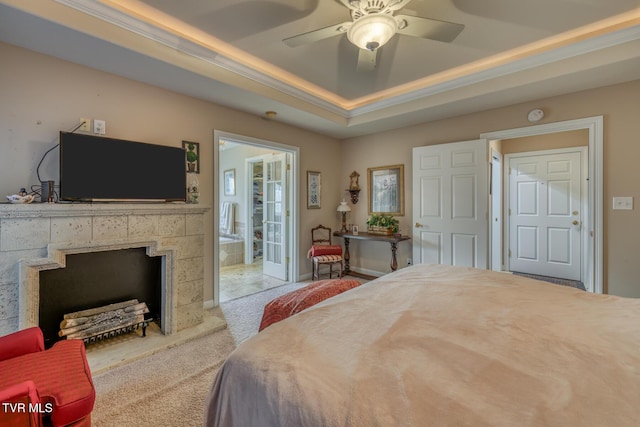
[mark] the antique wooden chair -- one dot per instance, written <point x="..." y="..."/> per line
<point x="322" y="252"/>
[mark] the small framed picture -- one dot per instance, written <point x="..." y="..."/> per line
<point x="192" y="156"/>
<point x="230" y="182"/>
<point x="386" y="190"/>
<point x="354" y="230"/>
<point x="313" y="190"/>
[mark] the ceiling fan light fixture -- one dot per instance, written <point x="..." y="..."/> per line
<point x="372" y="31"/>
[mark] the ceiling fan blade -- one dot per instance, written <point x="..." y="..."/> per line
<point x="316" y="35"/>
<point x="430" y="28"/>
<point x="367" y="59"/>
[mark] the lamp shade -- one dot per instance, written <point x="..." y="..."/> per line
<point x="372" y="31"/>
<point x="343" y="207"/>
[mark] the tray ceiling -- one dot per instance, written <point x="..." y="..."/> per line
<point x="509" y="51"/>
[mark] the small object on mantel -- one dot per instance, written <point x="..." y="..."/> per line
<point x="18" y="199"/>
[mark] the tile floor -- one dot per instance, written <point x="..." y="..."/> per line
<point x="244" y="279"/>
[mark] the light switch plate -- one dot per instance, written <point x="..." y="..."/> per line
<point x="623" y="203"/>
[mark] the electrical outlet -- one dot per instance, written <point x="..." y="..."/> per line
<point x="99" y="127"/>
<point x="409" y="261"/>
<point x="85" y="125"/>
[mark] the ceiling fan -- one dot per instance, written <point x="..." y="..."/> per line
<point x="373" y="24"/>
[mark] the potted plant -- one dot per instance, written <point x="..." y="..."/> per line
<point x="382" y="224"/>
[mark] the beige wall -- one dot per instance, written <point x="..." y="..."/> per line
<point x="620" y="106"/>
<point x="574" y="138"/>
<point x="41" y="95"/>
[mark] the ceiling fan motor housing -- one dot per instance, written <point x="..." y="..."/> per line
<point x="360" y="8"/>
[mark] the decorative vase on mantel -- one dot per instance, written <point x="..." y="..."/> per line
<point x="193" y="188"/>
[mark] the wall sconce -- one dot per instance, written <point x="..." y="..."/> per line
<point x="343" y="208"/>
<point x="354" y="187"/>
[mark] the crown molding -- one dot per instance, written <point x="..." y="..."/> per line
<point x="534" y="61"/>
<point x="135" y="25"/>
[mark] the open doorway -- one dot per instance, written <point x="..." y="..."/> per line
<point x="255" y="215"/>
<point x="584" y="218"/>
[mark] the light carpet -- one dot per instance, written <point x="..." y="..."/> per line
<point x="169" y="388"/>
<point x="244" y="314"/>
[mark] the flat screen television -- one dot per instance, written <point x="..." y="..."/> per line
<point x="94" y="168"/>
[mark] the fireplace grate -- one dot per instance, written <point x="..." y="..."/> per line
<point x="100" y="323"/>
<point x="120" y="331"/>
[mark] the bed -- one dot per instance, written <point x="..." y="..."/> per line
<point x="438" y="345"/>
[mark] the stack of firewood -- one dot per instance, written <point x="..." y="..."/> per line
<point x="95" y="321"/>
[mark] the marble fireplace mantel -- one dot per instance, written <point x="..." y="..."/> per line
<point x="38" y="237"/>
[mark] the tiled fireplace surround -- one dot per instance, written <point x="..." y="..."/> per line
<point x="38" y="237"/>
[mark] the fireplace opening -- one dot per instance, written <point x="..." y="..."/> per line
<point x="96" y="279"/>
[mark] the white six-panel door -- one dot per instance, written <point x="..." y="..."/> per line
<point x="450" y="204"/>
<point x="545" y="215"/>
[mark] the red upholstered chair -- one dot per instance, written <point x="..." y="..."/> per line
<point x="322" y="252"/>
<point x="44" y="387"/>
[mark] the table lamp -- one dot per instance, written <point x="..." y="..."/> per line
<point x="343" y="209"/>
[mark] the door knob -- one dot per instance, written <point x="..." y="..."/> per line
<point x="418" y="224"/>
<point x="575" y="222"/>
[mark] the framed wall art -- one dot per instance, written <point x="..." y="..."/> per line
<point x="192" y="156"/>
<point x="386" y="190"/>
<point x="230" y="182"/>
<point x="313" y="190"/>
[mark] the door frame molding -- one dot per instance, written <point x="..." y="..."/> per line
<point x="294" y="220"/>
<point x="584" y="200"/>
<point x="495" y="229"/>
<point x="595" y="221"/>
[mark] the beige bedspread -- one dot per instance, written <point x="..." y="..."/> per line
<point x="438" y="345"/>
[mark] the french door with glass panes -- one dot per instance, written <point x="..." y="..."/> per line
<point x="275" y="216"/>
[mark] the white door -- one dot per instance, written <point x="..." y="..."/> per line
<point x="275" y="217"/>
<point x="450" y="204"/>
<point x="545" y="217"/>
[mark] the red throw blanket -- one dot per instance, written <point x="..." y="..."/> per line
<point x="294" y="302"/>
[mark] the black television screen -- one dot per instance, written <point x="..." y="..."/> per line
<point x="96" y="168"/>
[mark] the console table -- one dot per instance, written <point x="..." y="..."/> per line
<point x="391" y="239"/>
